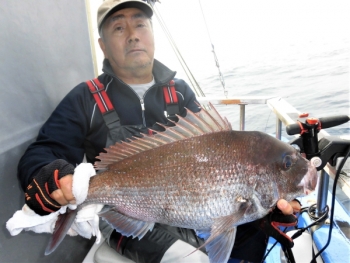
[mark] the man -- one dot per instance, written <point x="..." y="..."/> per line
<point x="133" y="82"/>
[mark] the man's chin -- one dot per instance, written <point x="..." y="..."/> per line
<point x="141" y="64"/>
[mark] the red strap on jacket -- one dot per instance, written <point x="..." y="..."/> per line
<point x="98" y="91"/>
<point x="104" y="104"/>
<point x="170" y="93"/>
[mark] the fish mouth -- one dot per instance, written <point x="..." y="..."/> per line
<point x="309" y="180"/>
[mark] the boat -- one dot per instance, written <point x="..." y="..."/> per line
<point x="48" y="50"/>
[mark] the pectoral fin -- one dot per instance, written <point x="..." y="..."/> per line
<point x="219" y="242"/>
<point x="127" y="226"/>
<point x="219" y="247"/>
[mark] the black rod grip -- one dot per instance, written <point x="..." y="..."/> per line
<point x="292" y="129"/>
<point x="326" y="122"/>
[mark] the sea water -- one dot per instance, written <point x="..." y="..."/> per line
<point x="316" y="83"/>
<point x="295" y="50"/>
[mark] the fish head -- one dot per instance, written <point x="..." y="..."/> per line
<point x="297" y="176"/>
<point x="283" y="172"/>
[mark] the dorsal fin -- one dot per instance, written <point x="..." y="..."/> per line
<point x="194" y="124"/>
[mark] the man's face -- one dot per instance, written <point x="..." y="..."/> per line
<point x="128" y="41"/>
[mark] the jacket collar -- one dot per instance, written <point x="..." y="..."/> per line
<point x="162" y="74"/>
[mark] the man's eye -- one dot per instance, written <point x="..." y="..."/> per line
<point x="140" y="25"/>
<point x="119" y="28"/>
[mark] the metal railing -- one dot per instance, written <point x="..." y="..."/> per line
<point x="285" y="113"/>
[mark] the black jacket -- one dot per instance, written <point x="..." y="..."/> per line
<point x="77" y="119"/>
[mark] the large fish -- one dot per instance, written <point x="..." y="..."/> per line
<point x="199" y="174"/>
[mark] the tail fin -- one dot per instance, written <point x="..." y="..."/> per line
<point x="62" y="226"/>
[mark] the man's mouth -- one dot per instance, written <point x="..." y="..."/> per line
<point x="135" y="50"/>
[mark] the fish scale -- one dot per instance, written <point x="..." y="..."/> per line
<point x="186" y="187"/>
<point x="198" y="174"/>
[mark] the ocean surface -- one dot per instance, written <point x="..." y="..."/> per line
<point x="316" y="83"/>
<point x="298" y="51"/>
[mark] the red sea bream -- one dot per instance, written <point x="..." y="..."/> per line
<point x="199" y="174"/>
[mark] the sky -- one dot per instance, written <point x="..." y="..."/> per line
<point x="242" y="31"/>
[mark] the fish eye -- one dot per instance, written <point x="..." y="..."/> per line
<point x="287" y="161"/>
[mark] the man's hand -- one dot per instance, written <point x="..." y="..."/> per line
<point x="281" y="215"/>
<point x="57" y="176"/>
<point x="288" y="208"/>
<point x="64" y="195"/>
<point x="50" y="189"/>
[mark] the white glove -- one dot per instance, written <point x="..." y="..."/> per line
<point x="86" y="223"/>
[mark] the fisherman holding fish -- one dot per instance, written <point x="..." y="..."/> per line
<point x="132" y="101"/>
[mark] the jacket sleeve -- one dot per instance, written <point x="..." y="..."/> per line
<point x="61" y="137"/>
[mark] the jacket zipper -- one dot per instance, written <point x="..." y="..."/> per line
<point x="143" y="111"/>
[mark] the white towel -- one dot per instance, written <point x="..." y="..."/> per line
<point x="86" y="223"/>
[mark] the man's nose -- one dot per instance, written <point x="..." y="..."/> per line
<point x="133" y="35"/>
<point x="133" y="39"/>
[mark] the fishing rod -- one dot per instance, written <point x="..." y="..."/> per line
<point x="320" y="152"/>
<point x="221" y="76"/>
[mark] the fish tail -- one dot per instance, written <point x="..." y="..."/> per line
<point x="63" y="223"/>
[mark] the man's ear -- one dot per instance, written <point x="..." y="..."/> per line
<point x="102" y="46"/>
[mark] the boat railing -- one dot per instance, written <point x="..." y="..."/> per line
<point x="285" y="112"/>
